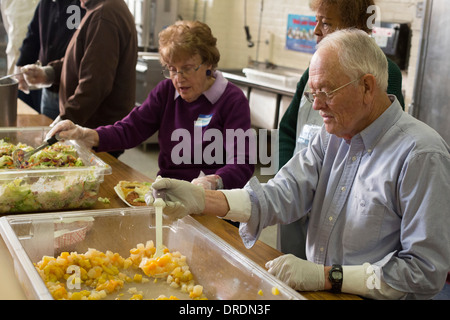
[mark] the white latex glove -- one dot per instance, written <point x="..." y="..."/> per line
<point x="182" y="198"/>
<point x="209" y="182"/>
<point x="299" y="274"/>
<point x="55" y="122"/>
<point x="23" y="85"/>
<point x="67" y="130"/>
<point x="37" y="76"/>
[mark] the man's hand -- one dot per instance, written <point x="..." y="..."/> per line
<point x="37" y="76"/>
<point x="23" y="85"/>
<point x="299" y="274"/>
<point x="182" y="198"/>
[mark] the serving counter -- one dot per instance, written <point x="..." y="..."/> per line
<point x="260" y="253"/>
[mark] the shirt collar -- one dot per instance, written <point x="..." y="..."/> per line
<point x="376" y="130"/>
<point x="214" y="93"/>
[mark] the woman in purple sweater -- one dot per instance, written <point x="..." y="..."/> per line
<point x="195" y="110"/>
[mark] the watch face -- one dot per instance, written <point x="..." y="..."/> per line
<point x="336" y="275"/>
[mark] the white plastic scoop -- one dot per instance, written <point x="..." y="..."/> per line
<point x="159" y="204"/>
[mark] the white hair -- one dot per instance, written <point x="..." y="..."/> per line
<point x="358" y="55"/>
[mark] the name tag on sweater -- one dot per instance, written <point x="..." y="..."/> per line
<point x="203" y="120"/>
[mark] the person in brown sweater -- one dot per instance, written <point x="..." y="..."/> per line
<point x="97" y="75"/>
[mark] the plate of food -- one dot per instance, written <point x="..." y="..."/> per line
<point x="133" y="192"/>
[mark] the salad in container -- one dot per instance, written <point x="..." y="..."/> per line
<point x="64" y="175"/>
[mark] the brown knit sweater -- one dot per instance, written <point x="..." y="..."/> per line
<point x="98" y="72"/>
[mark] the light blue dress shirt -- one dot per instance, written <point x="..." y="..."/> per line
<point x="381" y="198"/>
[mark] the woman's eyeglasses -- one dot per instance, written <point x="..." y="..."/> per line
<point x="170" y="73"/>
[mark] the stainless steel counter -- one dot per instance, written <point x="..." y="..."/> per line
<point x="240" y="79"/>
<point x="268" y="101"/>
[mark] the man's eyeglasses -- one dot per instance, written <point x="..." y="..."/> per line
<point x="322" y="95"/>
<point x="186" y="72"/>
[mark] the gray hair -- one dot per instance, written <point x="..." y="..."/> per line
<point x="358" y="55"/>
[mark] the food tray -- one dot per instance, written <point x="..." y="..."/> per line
<point x="224" y="273"/>
<point x="49" y="189"/>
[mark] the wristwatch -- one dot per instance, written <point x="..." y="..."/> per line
<point x="335" y="276"/>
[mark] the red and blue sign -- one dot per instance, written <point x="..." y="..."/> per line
<point x="300" y="33"/>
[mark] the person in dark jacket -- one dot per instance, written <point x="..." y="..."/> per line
<point x="49" y="32"/>
<point x="97" y="75"/>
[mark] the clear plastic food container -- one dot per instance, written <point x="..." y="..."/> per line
<point x="282" y="79"/>
<point x="49" y="189"/>
<point x="224" y="273"/>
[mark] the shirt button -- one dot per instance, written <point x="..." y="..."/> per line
<point x="321" y="249"/>
<point x="354" y="158"/>
<point x="342" y="188"/>
<point x="330" y="218"/>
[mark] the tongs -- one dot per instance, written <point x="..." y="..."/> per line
<point x="19" y="156"/>
<point x="11" y="76"/>
<point x="38" y="63"/>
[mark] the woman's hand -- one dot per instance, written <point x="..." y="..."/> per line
<point x="67" y="130"/>
<point x="209" y="182"/>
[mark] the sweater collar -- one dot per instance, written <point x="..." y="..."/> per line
<point x="214" y="93"/>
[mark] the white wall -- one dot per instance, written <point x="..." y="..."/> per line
<point x="226" y="19"/>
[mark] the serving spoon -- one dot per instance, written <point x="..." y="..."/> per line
<point x="159" y="204"/>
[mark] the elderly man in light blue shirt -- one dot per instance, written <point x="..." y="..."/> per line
<point x="374" y="182"/>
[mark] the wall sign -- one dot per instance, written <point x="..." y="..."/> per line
<point x="300" y="33"/>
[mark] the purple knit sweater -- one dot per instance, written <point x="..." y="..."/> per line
<point x="185" y="131"/>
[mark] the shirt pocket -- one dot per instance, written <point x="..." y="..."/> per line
<point x="363" y="224"/>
